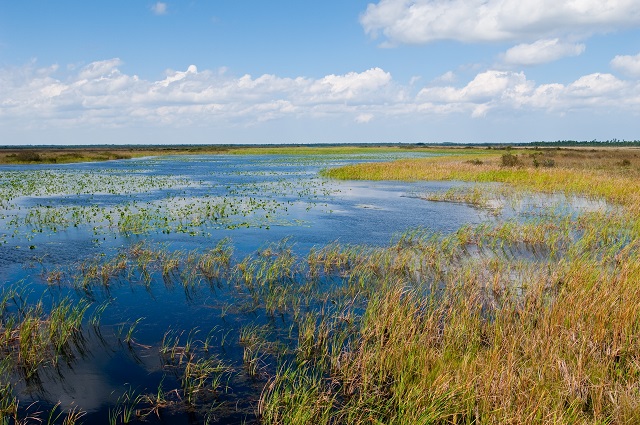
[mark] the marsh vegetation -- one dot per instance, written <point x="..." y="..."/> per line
<point x="234" y="294"/>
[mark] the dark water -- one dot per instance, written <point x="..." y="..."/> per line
<point x="267" y="198"/>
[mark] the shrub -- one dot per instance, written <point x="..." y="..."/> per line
<point x="510" y="160"/>
<point x="26" y="156"/>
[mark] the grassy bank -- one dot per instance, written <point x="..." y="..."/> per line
<point x="608" y="173"/>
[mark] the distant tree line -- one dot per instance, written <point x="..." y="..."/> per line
<point x="612" y="142"/>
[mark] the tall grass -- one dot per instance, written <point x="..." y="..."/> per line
<point x="592" y="176"/>
<point x="497" y="342"/>
<point x="35" y="336"/>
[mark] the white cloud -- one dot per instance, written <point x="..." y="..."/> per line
<point x="542" y="51"/>
<point x="100" y="95"/>
<point x="626" y="64"/>
<point x="354" y="87"/>
<point x="486" y="91"/>
<point x="595" y="86"/>
<point x="364" y="118"/>
<point x="484" y="87"/>
<point x="159" y="8"/>
<point x="505" y="91"/>
<point x="174" y="76"/>
<point x="100" y="69"/>
<point x="423" y="21"/>
<point x="447" y="77"/>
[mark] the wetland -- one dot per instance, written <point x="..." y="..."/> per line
<point x="339" y="286"/>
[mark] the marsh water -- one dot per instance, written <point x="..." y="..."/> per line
<point x="59" y="221"/>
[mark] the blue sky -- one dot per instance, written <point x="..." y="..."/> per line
<point x="249" y="71"/>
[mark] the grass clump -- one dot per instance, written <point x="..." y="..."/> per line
<point x="36" y="337"/>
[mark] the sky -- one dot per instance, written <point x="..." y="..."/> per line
<point x="333" y="71"/>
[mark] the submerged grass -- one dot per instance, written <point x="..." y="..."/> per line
<point x="35" y="337"/>
<point x="524" y="321"/>
<point x="467" y="328"/>
<point x="482" y="339"/>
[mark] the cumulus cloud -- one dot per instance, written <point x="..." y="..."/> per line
<point x="99" y="69"/>
<point x="101" y="95"/>
<point x="159" y="8"/>
<point x="174" y="76"/>
<point x="447" y="77"/>
<point x="486" y="91"/>
<point x="506" y="90"/>
<point x="542" y="51"/>
<point x="101" y="92"/>
<point x="351" y="87"/>
<point x="626" y="64"/>
<point x="423" y="21"/>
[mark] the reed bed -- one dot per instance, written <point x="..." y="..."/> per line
<point x="600" y="175"/>
<point x="475" y="340"/>
<point x="529" y="321"/>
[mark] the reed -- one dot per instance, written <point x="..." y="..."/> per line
<point x="202" y="375"/>
<point x="254" y="340"/>
<point x="126" y="407"/>
<point x="33" y="338"/>
<point x="592" y="175"/>
<point x="478" y="352"/>
<point x="214" y="263"/>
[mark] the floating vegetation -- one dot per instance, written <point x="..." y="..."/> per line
<point x="135" y="200"/>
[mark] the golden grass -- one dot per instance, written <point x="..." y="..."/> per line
<point x="493" y="341"/>
<point x="597" y="173"/>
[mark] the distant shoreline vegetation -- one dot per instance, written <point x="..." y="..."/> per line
<point x="50" y="154"/>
